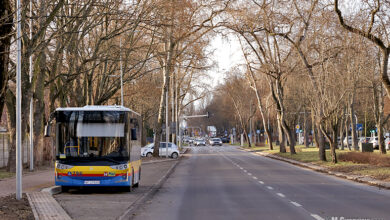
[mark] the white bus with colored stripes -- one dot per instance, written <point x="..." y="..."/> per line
<point x="97" y="146"/>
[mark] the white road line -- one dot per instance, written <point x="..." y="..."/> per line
<point x="296" y="204"/>
<point x="269" y="187"/>
<point x="261" y="182"/>
<point x="245" y="171"/>
<point x="241" y="168"/>
<point x="316" y="217"/>
<point x="255" y="178"/>
<point x="249" y="174"/>
<point x="281" y="195"/>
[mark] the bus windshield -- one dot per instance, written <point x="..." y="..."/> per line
<point x="92" y="135"/>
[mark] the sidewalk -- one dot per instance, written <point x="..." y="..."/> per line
<point x="32" y="182"/>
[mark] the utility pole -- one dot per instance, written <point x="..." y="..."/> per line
<point x="120" y="61"/>
<point x="166" y="120"/>
<point x="31" y="103"/>
<point x="18" y="105"/>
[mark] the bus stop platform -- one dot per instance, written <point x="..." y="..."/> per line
<point x="45" y="207"/>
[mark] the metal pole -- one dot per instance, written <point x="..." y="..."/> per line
<point x="167" y="120"/>
<point x="3" y="151"/>
<point x="120" y="61"/>
<point x="18" y="106"/>
<point x="31" y="103"/>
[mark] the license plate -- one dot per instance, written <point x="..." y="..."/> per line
<point x="92" y="182"/>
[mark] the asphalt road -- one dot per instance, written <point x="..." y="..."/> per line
<point x="227" y="183"/>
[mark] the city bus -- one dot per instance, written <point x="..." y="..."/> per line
<point x="97" y="146"/>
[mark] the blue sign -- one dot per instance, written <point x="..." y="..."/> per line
<point x="359" y="127"/>
<point x="258" y="131"/>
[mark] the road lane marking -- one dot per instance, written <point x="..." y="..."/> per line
<point x="270" y="188"/>
<point x="245" y="171"/>
<point x="261" y="182"/>
<point x="255" y="178"/>
<point x="316" y="217"/>
<point x="241" y="168"/>
<point x="281" y="195"/>
<point x="249" y="174"/>
<point x="296" y="204"/>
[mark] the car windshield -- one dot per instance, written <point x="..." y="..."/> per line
<point x="216" y="139"/>
<point x="95" y="135"/>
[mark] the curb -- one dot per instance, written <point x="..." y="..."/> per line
<point x="129" y="212"/>
<point x="356" y="178"/>
<point x="166" y="160"/>
<point x="33" y="208"/>
<point x="53" y="190"/>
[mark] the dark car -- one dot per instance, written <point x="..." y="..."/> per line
<point x="225" y="139"/>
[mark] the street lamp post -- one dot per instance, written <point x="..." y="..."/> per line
<point x="18" y="106"/>
<point x="31" y="103"/>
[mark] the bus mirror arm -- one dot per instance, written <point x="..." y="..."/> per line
<point x="133" y="134"/>
<point x="47" y="130"/>
<point x="48" y="125"/>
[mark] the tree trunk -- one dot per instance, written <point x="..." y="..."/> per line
<point x="321" y="143"/>
<point x="342" y="134"/>
<point x="331" y="141"/>
<point x="5" y="43"/>
<point x="346" y="133"/>
<point x="305" y="130"/>
<point x="11" y="116"/>
<point x="353" y="126"/>
<point x="290" y="137"/>
<point x="282" y="146"/>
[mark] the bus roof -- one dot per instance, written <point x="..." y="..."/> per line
<point x="98" y="108"/>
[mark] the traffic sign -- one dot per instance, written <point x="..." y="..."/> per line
<point x="297" y="127"/>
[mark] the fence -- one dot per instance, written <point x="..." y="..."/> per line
<point x="4" y="149"/>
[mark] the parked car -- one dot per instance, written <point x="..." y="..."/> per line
<point x="387" y="143"/>
<point x="364" y="139"/>
<point x="374" y="141"/>
<point x="200" y="142"/>
<point x="349" y="140"/>
<point x="173" y="150"/>
<point x="215" y="141"/>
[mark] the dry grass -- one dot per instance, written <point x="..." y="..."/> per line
<point x="365" y="158"/>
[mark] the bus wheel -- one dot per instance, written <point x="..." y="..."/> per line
<point x="64" y="188"/>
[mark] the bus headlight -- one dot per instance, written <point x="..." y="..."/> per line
<point x="63" y="166"/>
<point x="119" y="167"/>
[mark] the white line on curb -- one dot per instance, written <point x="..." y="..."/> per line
<point x="316" y="217"/>
<point x="296" y="204"/>
<point x="281" y="195"/>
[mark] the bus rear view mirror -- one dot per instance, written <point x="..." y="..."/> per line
<point x="47" y="130"/>
<point x="133" y="134"/>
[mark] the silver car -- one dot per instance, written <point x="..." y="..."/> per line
<point x="215" y="141"/>
<point x="173" y="150"/>
<point x="200" y="142"/>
